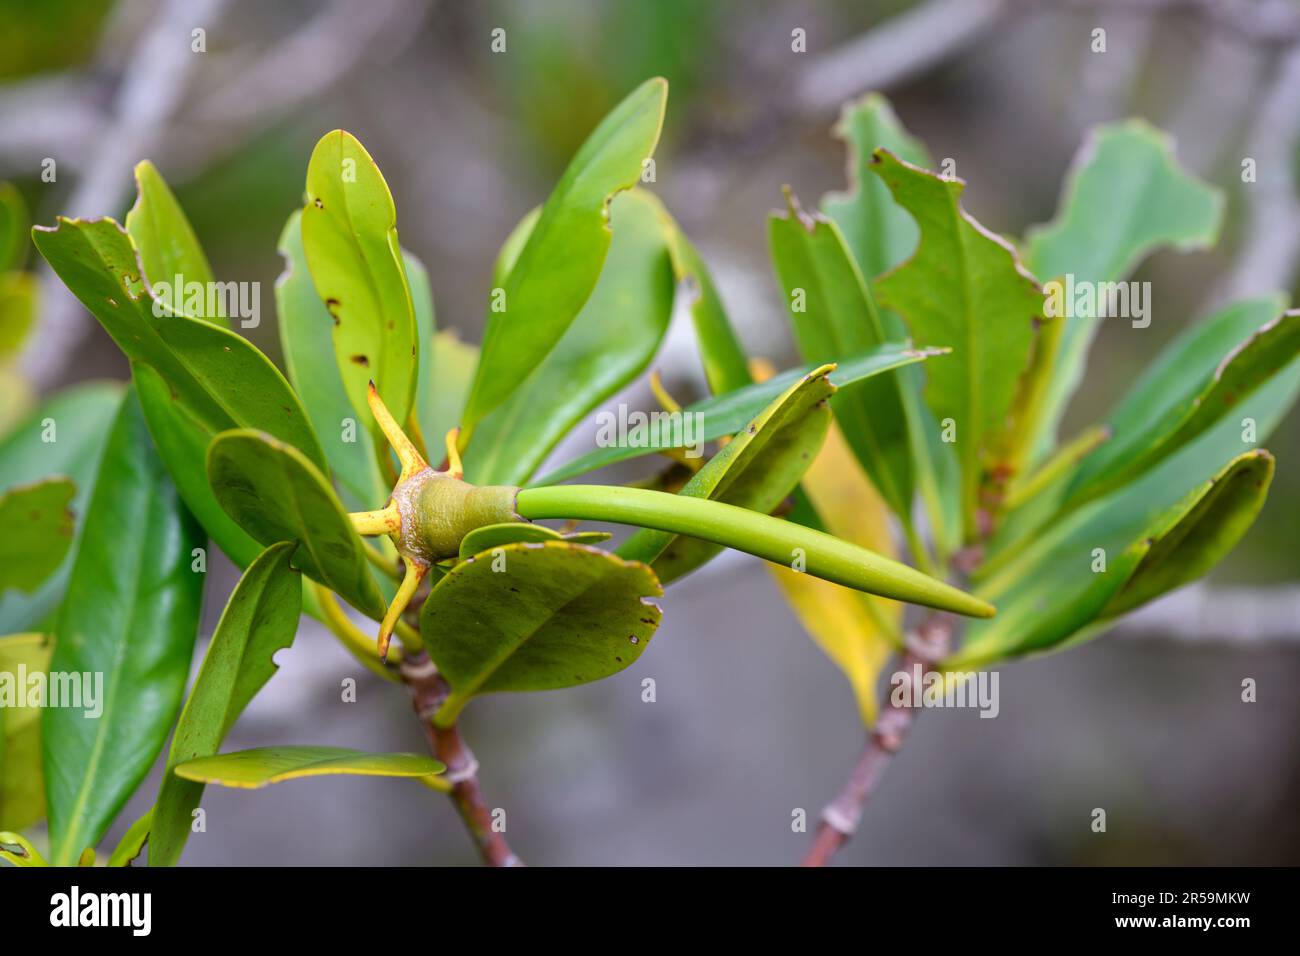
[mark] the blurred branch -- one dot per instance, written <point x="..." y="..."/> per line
<point x="1227" y="616"/>
<point x="312" y="59"/>
<point x="928" y="645"/>
<point x="150" y="92"/>
<point x="896" y="50"/>
<point x="1275" y="22"/>
<point x="1267" y="257"/>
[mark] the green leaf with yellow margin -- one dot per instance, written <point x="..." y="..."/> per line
<point x="1160" y="417"/>
<point x="263" y="766"/>
<point x="170" y="251"/>
<point x="22" y="779"/>
<point x="964" y="287"/>
<point x="756" y="469"/>
<point x="724" y="415"/>
<point x="349" y="236"/>
<point x="1115" y="553"/>
<point x="306" y="338"/>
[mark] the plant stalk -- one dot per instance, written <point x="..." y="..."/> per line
<point x="842" y="815"/>
<point x="775" y="540"/>
<point x="428" y="690"/>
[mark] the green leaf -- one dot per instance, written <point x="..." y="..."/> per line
<point x="260" y="619"/>
<point x="38" y="529"/>
<point x="1156" y="405"/>
<point x="725" y="366"/>
<point x="878" y="230"/>
<point x="611" y="341"/>
<point x="757" y="469"/>
<point x="275" y="494"/>
<point x="262" y="766"/>
<point x="132" y="842"/>
<point x="220" y="378"/>
<point x="1124" y="198"/>
<point x="14" y="226"/>
<point x="881" y="234"/>
<point x="491" y="536"/>
<point x="453" y="370"/>
<point x="833" y="314"/>
<point x="1182" y="394"/>
<point x="169" y="250"/>
<point x="182" y="443"/>
<point x="965" y="288"/>
<point x="558" y="267"/>
<point x="1162" y="531"/>
<point x="64" y="436"/>
<point x="417" y="280"/>
<point x="1208" y="529"/>
<point x="18" y="295"/>
<point x="19" y="851"/>
<point x="22" y="780"/>
<point x="558" y="615"/>
<point x="349" y="235"/>
<point x="131" y="615"/>
<point x="306" y="337"/>
<point x="727" y="414"/>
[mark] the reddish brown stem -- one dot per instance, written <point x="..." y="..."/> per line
<point x="428" y="690"/>
<point x="841" y="817"/>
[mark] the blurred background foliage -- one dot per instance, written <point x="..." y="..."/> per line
<point x="470" y="139"/>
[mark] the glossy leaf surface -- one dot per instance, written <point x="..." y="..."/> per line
<point x="131" y="615"/>
<point x="275" y="494"/>
<point x="558" y="614"/>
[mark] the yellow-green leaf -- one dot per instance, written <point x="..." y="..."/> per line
<point x="263" y="766"/>
<point x="349" y="235"/>
<point x="557" y="268"/>
<point x="22" y="779"/>
<point x="38" y="528"/>
<point x="169" y="250"/>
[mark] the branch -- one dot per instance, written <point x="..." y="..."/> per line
<point x="1219" y="616"/>
<point x="148" y="96"/>
<point x="896" y="50"/>
<point x="428" y="690"/>
<point x="840" y="819"/>
<point x="1265" y="22"/>
<point x="1266" y="259"/>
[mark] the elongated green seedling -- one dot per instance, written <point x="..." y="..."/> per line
<point x="775" y="540"/>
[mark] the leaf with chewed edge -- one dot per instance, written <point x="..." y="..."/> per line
<point x="1124" y="197"/>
